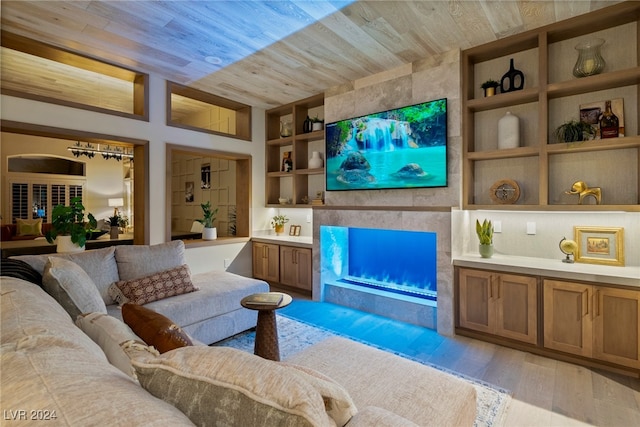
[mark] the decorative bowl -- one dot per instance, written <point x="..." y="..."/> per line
<point x="283" y="201"/>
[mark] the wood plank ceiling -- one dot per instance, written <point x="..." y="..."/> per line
<point x="269" y="53"/>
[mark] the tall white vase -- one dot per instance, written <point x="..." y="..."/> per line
<point x="508" y="131"/>
<point x="315" y="161"/>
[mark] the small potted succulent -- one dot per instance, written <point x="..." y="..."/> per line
<point x="69" y="230"/>
<point x="316" y="123"/>
<point x="278" y="222"/>
<point x="489" y="87"/>
<point x="485" y="235"/>
<point x="209" y="216"/>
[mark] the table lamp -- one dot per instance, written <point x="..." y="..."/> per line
<point x="115" y="204"/>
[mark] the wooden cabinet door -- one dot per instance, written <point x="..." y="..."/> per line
<point x="295" y="267"/>
<point x="567" y="317"/>
<point x="616" y="326"/>
<point x="476" y="300"/>
<point x="516" y="307"/>
<point x="266" y="262"/>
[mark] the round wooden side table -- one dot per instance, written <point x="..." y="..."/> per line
<point x="266" y="344"/>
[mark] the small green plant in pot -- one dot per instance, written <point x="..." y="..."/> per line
<point x="116" y="221"/>
<point x="489" y="87"/>
<point x="574" y="131"/>
<point x="485" y="235"/>
<point x="69" y="221"/>
<point x="209" y="216"/>
<point x="278" y="222"/>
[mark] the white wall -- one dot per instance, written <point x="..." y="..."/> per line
<point x="158" y="134"/>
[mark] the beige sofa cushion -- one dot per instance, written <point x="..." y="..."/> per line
<point x="225" y="386"/>
<point x="47" y="363"/>
<point x="72" y="287"/>
<point x="100" y="264"/>
<point x="142" y="260"/>
<point x="378" y="417"/>
<point x="419" y="393"/>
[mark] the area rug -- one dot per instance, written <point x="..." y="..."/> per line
<point x="294" y="336"/>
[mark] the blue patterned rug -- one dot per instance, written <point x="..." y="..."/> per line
<point x="295" y="336"/>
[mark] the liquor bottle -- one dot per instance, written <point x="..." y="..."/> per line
<point x="609" y="123"/>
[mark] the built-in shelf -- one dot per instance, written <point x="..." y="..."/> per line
<point x="300" y="181"/>
<point x="545" y="170"/>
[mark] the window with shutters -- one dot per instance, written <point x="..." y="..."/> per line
<point x="35" y="197"/>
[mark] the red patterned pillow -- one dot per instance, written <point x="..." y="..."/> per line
<point x="157" y="286"/>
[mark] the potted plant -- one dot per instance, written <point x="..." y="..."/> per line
<point x="316" y="123"/>
<point x="115" y="222"/>
<point x="209" y="216"/>
<point x="485" y="235"/>
<point x="574" y="131"/>
<point x="69" y="230"/>
<point x="278" y="222"/>
<point x="489" y="87"/>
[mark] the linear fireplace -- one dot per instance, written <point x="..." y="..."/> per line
<point x="397" y="261"/>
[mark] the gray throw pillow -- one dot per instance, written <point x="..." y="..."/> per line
<point x="72" y="287"/>
<point x="99" y="264"/>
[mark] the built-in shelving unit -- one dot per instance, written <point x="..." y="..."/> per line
<point x="545" y="170"/>
<point x="300" y="181"/>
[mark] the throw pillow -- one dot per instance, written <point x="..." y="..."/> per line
<point x="100" y="264"/>
<point x="20" y="270"/>
<point x="115" y="339"/>
<point x="154" y="328"/>
<point x="29" y="227"/>
<point x="143" y="260"/>
<point x="72" y="287"/>
<point x="157" y="286"/>
<point x="226" y="386"/>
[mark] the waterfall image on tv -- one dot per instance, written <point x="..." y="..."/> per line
<point x="401" y="148"/>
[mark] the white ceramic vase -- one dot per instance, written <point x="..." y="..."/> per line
<point x="316" y="126"/>
<point x="508" y="131"/>
<point x="65" y="245"/>
<point x="315" y="161"/>
<point x="209" y="233"/>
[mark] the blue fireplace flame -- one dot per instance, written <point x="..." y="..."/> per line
<point x="399" y="261"/>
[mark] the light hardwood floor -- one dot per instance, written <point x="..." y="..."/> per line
<point x="545" y="392"/>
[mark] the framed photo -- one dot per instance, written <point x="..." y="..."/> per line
<point x="600" y="245"/>
<point x="205" y="176"/>
<point x="188" y="191"/>
<point x="292" y="230"/>
<point x="297" y="230"/>
<point x="591" y="113"/>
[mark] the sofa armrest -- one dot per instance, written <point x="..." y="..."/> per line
<point x="5" y="233"/>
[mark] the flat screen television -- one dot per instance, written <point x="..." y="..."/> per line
<point x="401" y="148"/>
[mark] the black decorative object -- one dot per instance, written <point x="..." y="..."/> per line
<point x="512" y="80"/>
<point x="306" y="125"/>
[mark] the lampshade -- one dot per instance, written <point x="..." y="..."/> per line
<point x="116" y="203"/>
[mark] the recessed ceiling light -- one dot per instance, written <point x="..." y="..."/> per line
<point x="213" y="60"/>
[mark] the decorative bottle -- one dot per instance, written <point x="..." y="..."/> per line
<point x="315" y="161"/>
<point x="609" y="123"/>
<point x="306" y="126"/>
<point x="508" y="131"/>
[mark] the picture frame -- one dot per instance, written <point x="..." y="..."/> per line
<point x="297" y="230"/>
<point x="600" y="245"/>
<point x="188" y="191"/>
<point x="287" y="162"/>
<point x="292" y="230"/>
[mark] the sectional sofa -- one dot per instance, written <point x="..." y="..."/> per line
<point x="92" y="369"/>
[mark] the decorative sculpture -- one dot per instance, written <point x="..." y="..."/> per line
<point x="569" y="248"/>
<point x="581" y="189"/>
